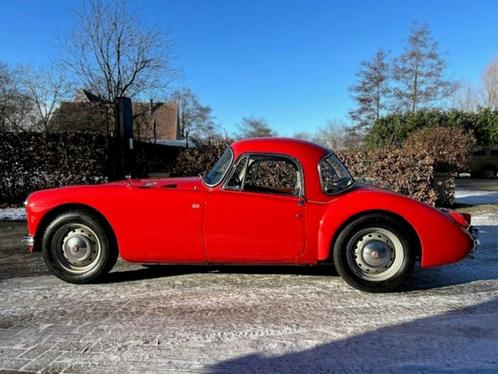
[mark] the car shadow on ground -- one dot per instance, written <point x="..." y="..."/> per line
<point x="159" y="271"/>
<point x="463" y="340"/>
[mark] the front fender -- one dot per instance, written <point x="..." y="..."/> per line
<point x="442" y="239"/>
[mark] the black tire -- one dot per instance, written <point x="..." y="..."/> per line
<point x="351" y="244"/>
<point x="488" y="172"/>
<point x="97" y="243"/>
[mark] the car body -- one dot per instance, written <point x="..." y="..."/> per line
<point x="231" y="216"/>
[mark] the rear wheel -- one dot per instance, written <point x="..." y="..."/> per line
<point x="374" y="253"/>
<point x="488" y="172"/>
<point x="77" y="247"/>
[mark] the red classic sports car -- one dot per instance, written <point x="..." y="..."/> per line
<point x="266" y="201"/>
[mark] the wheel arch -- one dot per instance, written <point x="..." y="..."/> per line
<point x="57" y="210"/>
<point x="410" y="229"/>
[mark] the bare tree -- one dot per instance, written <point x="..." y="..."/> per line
<point x="371" y="91"/>
<point x="46" y="88"/>
<point x="490" y="84"/>
<point x="252" y="127"/>
<point x="15" y="106"/>
<point x="113" y="54"/>
<point x="467" y="97"/>
<point x="419" y="73"/>
<point x="333" y="135"/>
<point x="196" y="120"/>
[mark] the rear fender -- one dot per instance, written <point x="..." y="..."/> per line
<point x="441" y="239"/>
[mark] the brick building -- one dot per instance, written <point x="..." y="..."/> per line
<point x="153" y="121"/>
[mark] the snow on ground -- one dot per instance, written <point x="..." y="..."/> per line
<point x="13" y="214"/>
<point x="473" y="197"/>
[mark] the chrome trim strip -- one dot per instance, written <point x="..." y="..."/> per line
<point x="474" y="232"/>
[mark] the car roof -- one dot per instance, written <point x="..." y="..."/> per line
<point x="299" y="149"/>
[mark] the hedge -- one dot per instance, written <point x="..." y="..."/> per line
<point x="199" y="160"/>
<point x="407" y="171"/>
<point x="392" y="130"/>
<point x="33" y="161"/>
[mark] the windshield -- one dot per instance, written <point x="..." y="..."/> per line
<point x="334" y="175"/>
<point x="214" y="176"/>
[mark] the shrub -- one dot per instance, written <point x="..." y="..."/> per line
<point x="451" y="148"/>
<point x="408" y="172"/>
<point x="199" y="160"/>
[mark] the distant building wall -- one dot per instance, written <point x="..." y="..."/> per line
<point x="151" y="121"/>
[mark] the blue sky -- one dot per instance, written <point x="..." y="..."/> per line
<point x="290" y="62"/>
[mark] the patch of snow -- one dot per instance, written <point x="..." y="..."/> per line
<point x="13" y="214"/>
<point x="474" y="197"/>
<point x="485" y="219"/>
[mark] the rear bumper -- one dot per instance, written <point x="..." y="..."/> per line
<point x="474" y="232"/>
<point x="28" y="243"/>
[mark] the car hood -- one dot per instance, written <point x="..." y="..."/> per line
<point x="183" y="183"/>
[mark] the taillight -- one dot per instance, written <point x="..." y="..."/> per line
<point x="467" y="217"/>
<point x="462" y="218"/>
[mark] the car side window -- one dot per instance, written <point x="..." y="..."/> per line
<point x="272" y="174"/>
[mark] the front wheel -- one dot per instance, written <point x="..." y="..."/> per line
<point x="374" y="253"/>
<point x="77" y="247"/>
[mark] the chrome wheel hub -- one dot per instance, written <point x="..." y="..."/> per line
<point x="80" y="248"/>
<point x="377" y="254"/>
<point x="374" y="252"/>
<point x="77" y="248"/>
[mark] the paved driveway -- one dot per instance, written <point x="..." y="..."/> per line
<point x="246" y="319"/>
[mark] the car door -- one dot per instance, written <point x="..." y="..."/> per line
<point x="258" y="214"/>
<point x="165" y="225"/>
